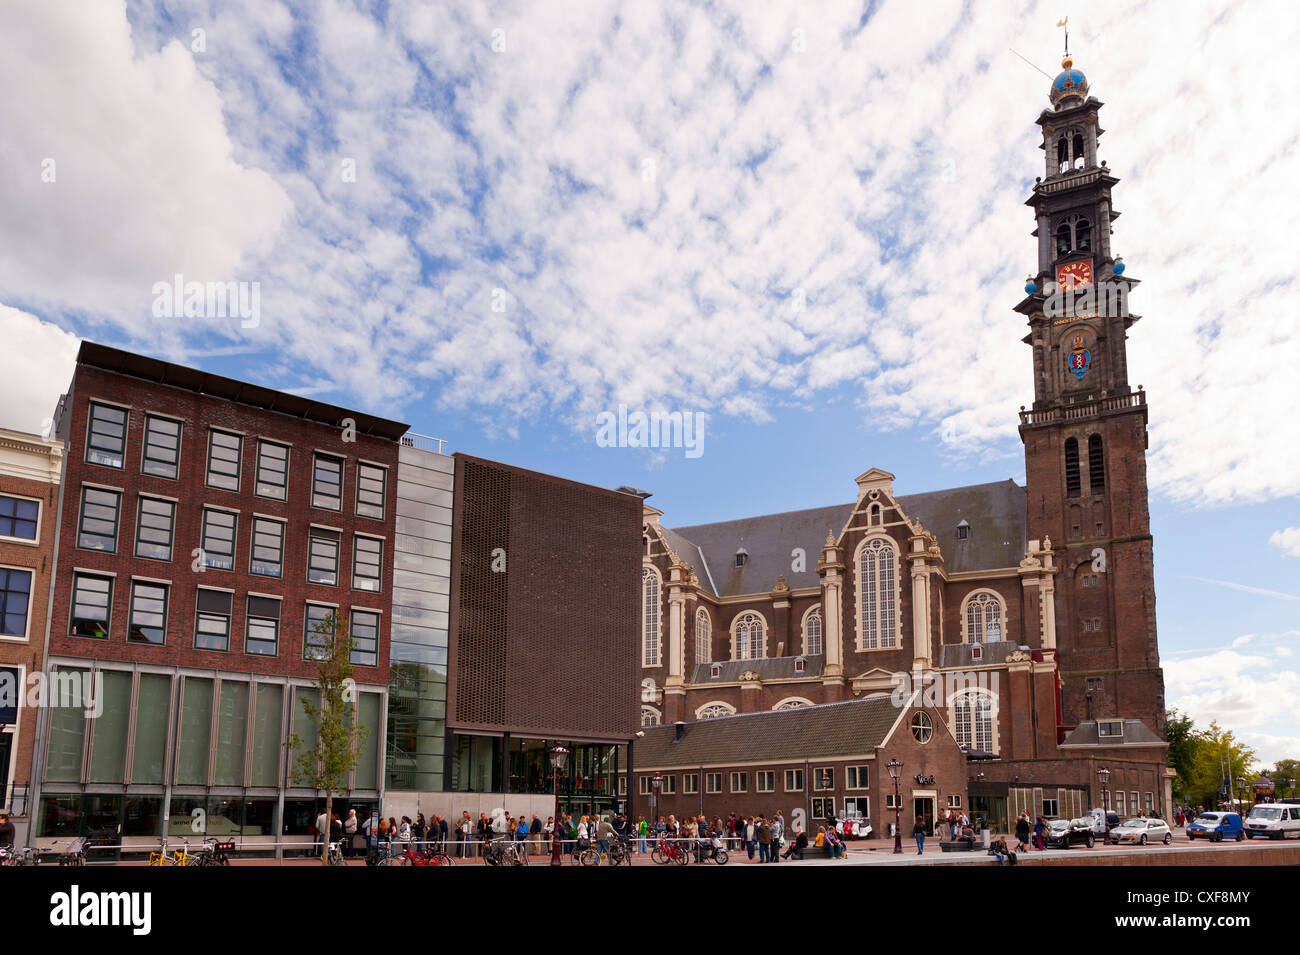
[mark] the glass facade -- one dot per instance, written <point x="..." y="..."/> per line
<point x="417" y="691"/>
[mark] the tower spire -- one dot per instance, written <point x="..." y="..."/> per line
<point x="1065" y="23"/>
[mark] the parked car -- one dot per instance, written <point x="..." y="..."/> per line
<point x="1097" y="819"/>
<point x="1142" y="831"/>
<point x="1216" y="826"/>
<point x="1273" y="821"/>
<point x="1063" y="833"/>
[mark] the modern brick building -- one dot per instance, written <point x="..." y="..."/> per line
<point x="30" y="469"/>
<point x="542" y="616"/>
<point x="205" y="526"/>
<point x="1034" y="606"/>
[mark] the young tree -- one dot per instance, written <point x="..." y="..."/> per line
<point x="325" y="767"/>
<point x="1181" y="734"/>
<point x="1219" y="760"/>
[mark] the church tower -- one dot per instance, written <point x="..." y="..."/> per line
<point x="1085" y="436"/>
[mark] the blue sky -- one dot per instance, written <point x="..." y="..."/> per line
<point x="496" y="221"/>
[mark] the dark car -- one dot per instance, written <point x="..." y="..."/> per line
<point x="1063" y="833"/>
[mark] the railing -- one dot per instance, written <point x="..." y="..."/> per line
<point x="423" y="442"/>
<point x="1085" y="409"/>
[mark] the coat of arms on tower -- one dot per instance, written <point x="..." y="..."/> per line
<point x="1080" y="357"/>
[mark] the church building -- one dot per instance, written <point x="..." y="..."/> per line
<point x="1024" y="615"/>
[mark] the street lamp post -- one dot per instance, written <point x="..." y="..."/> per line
<point x="655" y="785"/>
<point x="558" y="755"/>
<point x="895" y="770"/>
<point x="1241" y="785"/>
<point x="1103" y="779"/>
<point x="1291" y="782"/>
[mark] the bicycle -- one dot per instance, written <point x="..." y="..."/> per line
<point x="162" y="858"/>
<point x="433" y="856"/>
<point x="24" y="856"/>
<point x="212" y="852"/>
<point x="620" y="853"/>
<point x="670" y="850"/>
<point x="74" y="854"/>
<point x="503" y="851"/>
<point x="335" y="854"/>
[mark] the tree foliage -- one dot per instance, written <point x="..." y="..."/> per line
<point x="1206" y="760"/>
<point x="325" y="766"/>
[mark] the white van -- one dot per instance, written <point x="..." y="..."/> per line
<point x="1273" y="820"/>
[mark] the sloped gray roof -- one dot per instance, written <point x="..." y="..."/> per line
<point x="851" y="728"/>
<point x="959" y="654"/>
<point x="996" y="514"/>
<point x="1135" y="732"/>
<point x="767" y="668"/>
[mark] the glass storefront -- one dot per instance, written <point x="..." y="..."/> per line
<point x="589" y="784"/>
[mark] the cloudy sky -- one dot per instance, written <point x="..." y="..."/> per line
<point x="495" y="221"/>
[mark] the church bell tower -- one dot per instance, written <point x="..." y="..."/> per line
<point x="1085" y="435"/>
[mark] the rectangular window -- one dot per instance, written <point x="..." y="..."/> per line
<point x="232" y="733"/>
<point x="99" y="514"/>
<point x="1050" y="808"/>
<point x="327" y="483"/>
<point x="954" y="802"/>
<point x="765" y="780"/>
<point x="323" y="556"/>
<point x="195" y="732"/>
<point x="793" y="780"/>
<point x="713" y="782"/>
<point x="622" y="785"/>
<point x="371" y="486"/>
<point x="1133" y="802"/>
<point x="670" y="785"/>
<point x="92" y="596"/>
<point x="219" y="539"/>
<point x="1147" y="802"/>
<point x="823" y="807"/>
<point x="365" y="638"/>
<point x="1090" y="580"/>
<point x="262" y="632"/>
<point x="106" y="437"/>
<point x="823" y="778"/>
<point x="859" y="777"/>
<point x="18" y="517"/>
<point x="225" y="451"/>
<point x="739" y="782"/>
<point x="162" y="447"/>
<point x="690" y="783"/>
<point x="109" y="732"/>
<point x="314" y="641"/>
<point x="272" y="470"/>
<point x="148" y="620"/>
<point x="268" y="547"/>
<point x="367" y="558"/>
<point x="1110" y="729"/>
<point x="1119" y="804"/>
<point x="212" y="620"/>
<point x="15" y="601"/>
<point x="154" y="528"/>
<point x="152" y="707"/>
<point x="267" y="734"/>
<point x="646" y="785"/>
<point x="891" y="801"/>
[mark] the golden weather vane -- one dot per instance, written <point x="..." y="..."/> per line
<point x="1065" y="23"/>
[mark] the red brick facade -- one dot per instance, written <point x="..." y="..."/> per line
<point x="197" y="414"/>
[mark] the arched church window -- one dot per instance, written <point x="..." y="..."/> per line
<point x="1063" y="239"/>
<point x="1096" y="465"/>
<point x="1078" y="151"/>
<point x="713" y="711"/>
<point x="649" y="617"/>
<point x="650" y="716"/>
<point x="983" y="617"/>
<point x="749" y="632"/>
<point x="1072" y="485"/>
<point x="812" y="632"/>
<point x="1082" y="235"/>
<point x="974" y="721"/>
<point x="877" y="603"/>
<point x="703" y="630"/>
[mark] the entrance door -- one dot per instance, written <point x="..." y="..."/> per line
<point x="923" y="806"/>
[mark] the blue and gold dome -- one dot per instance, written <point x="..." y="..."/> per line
<point x="1070" y="82"/>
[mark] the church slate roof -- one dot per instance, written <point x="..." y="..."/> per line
<point x="850" y="728"/>
<point x="996" y="513"/>
<point x="767" y="668"/>
<point x="1135" y="733"/>
<point x="959" y="654"/>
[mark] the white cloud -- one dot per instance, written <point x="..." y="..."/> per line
<point x="1287" y="541"/>
<point x="1246" y="693"/>
<point x="880" y="173"/>
<point x="38" y="363"/>
<point x="1245" y="588"/>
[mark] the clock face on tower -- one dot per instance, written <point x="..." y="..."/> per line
<point x="1074" y="275"/>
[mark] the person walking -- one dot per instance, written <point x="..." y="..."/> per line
<point x="1022" y="833"/>
<point x="605" y="834"/>
<point x="764" y="839"/>
<point x="751" y="837"/>
<point x="778" y="836"/>
<point x="535" y="833"/>
<point x="919" y="832"/>
<point x="1039" y="826"/>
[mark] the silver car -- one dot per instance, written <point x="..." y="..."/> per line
<point x="1142" y="831"/>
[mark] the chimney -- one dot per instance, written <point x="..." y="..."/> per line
<point x="680" y="729"/>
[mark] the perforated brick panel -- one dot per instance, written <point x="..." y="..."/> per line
<point x="550" y="645"/>
<point x="483" y="603"/>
